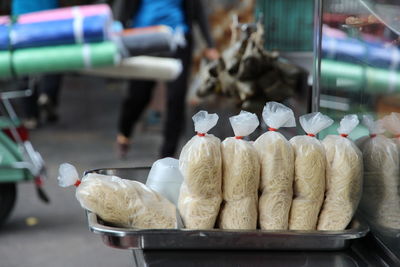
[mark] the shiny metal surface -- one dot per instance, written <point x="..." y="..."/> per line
<point x="218" y="239"/>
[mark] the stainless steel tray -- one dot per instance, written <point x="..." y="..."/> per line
<point x="218" y="239"/>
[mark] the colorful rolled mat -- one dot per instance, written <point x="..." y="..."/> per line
<point x="69" y="31"/>
<point x="353" y="77"/>
<point x="355" y="51"/>
<point x="61" y="14"/>
<point x="148" y="43"/>
<point x="57" y="58"/>
<point x="4" y="37"/>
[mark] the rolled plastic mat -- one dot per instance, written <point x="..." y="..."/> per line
<point x="67" y="31"/>
<point x="378" y="55"/>
<point x="76" y="24"/>
<point x="5" y="64"/>
<point x="65" y="13"/>
<point x="141" y="67"/>
<point x="353" y="77"/>
<point x="149" y="43"/>
<point x="57" y="58"/>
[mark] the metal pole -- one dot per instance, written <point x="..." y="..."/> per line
<point x="316" y="90"/>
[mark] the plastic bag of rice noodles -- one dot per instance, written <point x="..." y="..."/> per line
<point x="277" y="168"/>
<point x="381" y="199"/>
<point x="200" y="164"/>
<point x="119" y="201"/>
<point x="309" y="169"/>
<point x="344" y="175"/>
<point x="240" y="175"/>
<point x="392" y="125"/>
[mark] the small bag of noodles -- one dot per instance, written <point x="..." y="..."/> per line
<point x="277" y="168"/>
<point x="200" y="164"/>
<point x="241" y="175"/>
<point x="392" y="124"/>
<point x="119" y="201"/>
<point x="344" y="175"/>
<point x="380" y="201"/>
<point x="309" y="170"/>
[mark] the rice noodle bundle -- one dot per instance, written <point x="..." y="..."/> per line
<point x="344" y="174"/>
<point x="277" y="168"/>
<point x="200" y="164"/>
<point x="381" y="190"/>
<point x="309" y="179"/>
<point x="121" y="202"/>
<point x="241" y="176"/>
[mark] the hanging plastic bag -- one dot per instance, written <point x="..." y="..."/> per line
<point x="166" y="178"/>
<point x="277" y="168"/>
<point x="309" y="179"/>
<point x="119" y="201"/>
<point x="392" y="124"/>
<point x="241" y="176"/>
<point x="200" y="164"/>
<point x="380" y="200"/>
<point x="344" y="175"/>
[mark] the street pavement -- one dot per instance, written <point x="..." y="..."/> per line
<point x="56" y="235"/>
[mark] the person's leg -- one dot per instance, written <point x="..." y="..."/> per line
<point x="139" y="96"/>
<point x="50" y="85"/>
<point x="49" y="94"/>
<point x="30" y="108"/>
<point x="176" y="93"/>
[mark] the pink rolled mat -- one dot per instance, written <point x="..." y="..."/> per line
<point x="4" y="19"/>
<point x="61" y="13"/>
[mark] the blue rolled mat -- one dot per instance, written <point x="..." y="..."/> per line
<point x="355" y="51"/>
<point x="69" y="31"/>
<point x="4" y="37"/>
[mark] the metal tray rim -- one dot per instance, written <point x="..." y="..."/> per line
<point x="96" y="227"/>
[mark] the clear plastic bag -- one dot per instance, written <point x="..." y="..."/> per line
<point x="344" y="175"/>
<point x="200" y="164"/>
<point x="120" y="202"/>
<point x="309" y="179"/>
<point x="381" y="199"/>
<point x="241" y="175"/>
<point x="392" y="124"/>
<point x="166" y="178"/>
<point x="277" y="168"/>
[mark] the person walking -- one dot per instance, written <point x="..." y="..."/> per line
<point x="178" y="14"/>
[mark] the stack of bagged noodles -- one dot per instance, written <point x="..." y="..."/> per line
<point x="57" y="40"/>
<point x="271" y="184"/>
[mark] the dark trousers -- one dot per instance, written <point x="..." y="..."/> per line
<point x="139" y="96"/>
<point x="49" y="85"/>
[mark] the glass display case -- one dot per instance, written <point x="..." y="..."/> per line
<point x="358" y="72"/>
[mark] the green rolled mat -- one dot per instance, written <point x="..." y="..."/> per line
<point x="5" y="64"/>
<point x="353" y="77"/>
<point x="60" y="58"/>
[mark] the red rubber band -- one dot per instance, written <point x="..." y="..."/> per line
<point x="77" y="183"/>
<point x="239" y="137"/>
<point x="310" y="134"/>
<point x="344" y="135"/>
<point x="272" y="129"/>
<point x="201" y="134"/>
<point x="372" y="135"/>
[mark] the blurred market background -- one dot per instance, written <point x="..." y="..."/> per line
<point x="359" y="62"/>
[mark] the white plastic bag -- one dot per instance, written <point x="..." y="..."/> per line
<point x="166" y="178"/>
<point x="200" y="164"/>
<point x="309" y="179"/>
<point x="344" y="175"/>
<point x="381" y="199"/>
<point x="120" y="202"/>
<point x="392" y="124"/>
<point x="241" y="176"/>
<point x="277" y="168"/>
